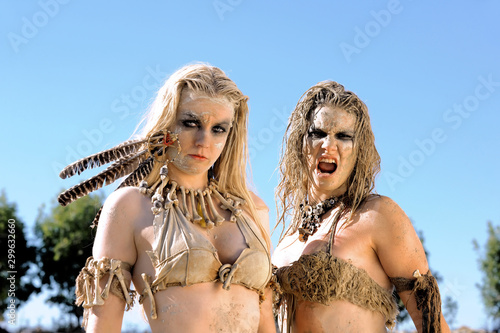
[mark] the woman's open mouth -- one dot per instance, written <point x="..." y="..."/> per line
<point x="326" y="166"/>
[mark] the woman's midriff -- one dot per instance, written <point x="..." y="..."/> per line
<point x="204" y="308"/>
<point x="339" y="316"/>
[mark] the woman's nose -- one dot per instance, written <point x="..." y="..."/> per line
<point x="202" y="138"/>
<point x="329" y="143"/>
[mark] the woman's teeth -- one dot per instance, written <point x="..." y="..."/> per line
<point x="327" y="166"/>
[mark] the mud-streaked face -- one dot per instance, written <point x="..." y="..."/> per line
<point x="330" y="153"/>
<point x="202" y="125"/>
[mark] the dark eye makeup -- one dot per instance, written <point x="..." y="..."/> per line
<point x="190" y="123"/>
<point x="344" y="136"/>
<point x="195" y="123"/>
<point x="316" y="133"/>
<point x="218" y="129"/>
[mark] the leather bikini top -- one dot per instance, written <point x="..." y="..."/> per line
<point x="182" y="256"/>
<point x="186" y="257"/>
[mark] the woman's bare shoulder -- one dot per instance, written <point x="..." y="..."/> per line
<point x="383" y="208"/>
<point x="258" y="202"/>
<point x="121" y="214"/>
<point x="395" y="241"/>
<point x="128" y="200"/>
<point x="384" y="218"/>
<point x="123" y="210"/>
<point x="377" y="201"/>
<point x="125" y="196"/>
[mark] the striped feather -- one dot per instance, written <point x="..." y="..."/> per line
<point x="117" y="170"/>
<point x="121" y="151"/>
<point x="95" y="221"/>
<point x="139" y="174"/>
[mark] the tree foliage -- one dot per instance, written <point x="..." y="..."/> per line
<point x="450" y="309"/>
<point x="489" y="264"/>
<point x="16" y="256"/>
<point x="66" y="243"/>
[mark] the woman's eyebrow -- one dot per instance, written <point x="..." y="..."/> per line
<point x="224" y="122"/>
<point x="189" y="113"/>
<point x="194" y="116"/>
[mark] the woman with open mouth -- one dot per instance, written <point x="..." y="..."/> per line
<point x="346" y="248"/>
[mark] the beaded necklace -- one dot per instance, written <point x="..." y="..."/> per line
<point x="311" y="217"/>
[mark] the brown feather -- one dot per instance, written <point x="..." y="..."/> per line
<point x="117" y="170"/>
<point x="139" y="174"/>
<point x="96" y="218"/>
<point x="118" y="152"/>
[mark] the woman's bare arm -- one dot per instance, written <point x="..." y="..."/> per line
<point x="115" y="240"/>
<point x="400" y="252"/>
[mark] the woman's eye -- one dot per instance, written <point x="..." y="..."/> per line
<point x="219" y="129"/>
<point x="344" y="136"/>
<point x="190" y="123"/>
<point x="316" y="134"/>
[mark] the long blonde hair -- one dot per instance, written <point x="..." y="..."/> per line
<point x="295" y="181"/>
<point x="230" y="168"/>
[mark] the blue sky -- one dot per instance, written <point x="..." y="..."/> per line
<point x="75" y="78"/>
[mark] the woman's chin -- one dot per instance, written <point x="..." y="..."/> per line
<point x="187" y="170"/>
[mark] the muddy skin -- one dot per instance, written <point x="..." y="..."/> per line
<point x="233" y="320"/>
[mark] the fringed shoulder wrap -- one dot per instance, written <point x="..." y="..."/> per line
<point x="88" y="291"/>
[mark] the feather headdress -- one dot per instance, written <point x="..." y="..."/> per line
<point x="134" y="158"/>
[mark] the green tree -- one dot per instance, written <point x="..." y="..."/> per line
<point x="489" y="263"/>
<point x="450" y="310"/>
<point x="16" y="256"/>
<point x="65" y="243"/>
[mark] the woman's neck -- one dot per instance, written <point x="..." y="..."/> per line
<point x="315" y="197"/>
<point x="195" y="182"/>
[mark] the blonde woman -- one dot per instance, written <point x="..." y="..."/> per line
<point x="345" y="248"/>
<point x="183" y="226"/>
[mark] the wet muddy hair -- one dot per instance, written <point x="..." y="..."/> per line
<point x="295" y="182"/>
